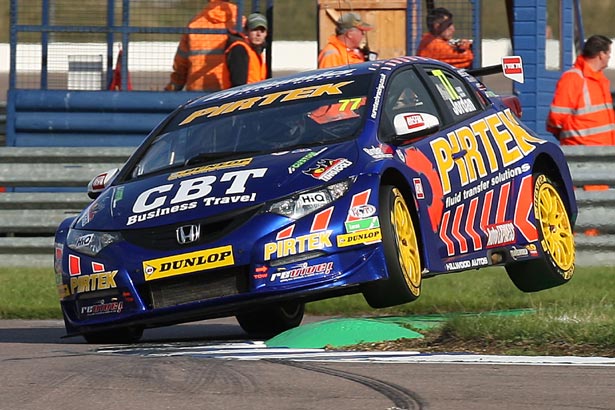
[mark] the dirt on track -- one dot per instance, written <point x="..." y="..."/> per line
<point x="443" y="343"/>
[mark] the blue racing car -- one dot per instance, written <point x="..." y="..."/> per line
<point x="368" y="178"/>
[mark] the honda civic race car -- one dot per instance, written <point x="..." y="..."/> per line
<point x="368" y="178"/>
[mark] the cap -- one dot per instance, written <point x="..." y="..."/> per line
<point x="352" y="20"/>
<point x="256" y="20"/>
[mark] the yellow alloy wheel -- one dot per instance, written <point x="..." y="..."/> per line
<point x="407" y="245"/>
<point x="554" y="224"/>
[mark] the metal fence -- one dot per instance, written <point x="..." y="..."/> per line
<point x="28" y="220"/>
<point x="56" y="45"/>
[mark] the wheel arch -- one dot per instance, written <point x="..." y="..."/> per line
<point x="394" y="177"/>
<point x="547" y="165"/>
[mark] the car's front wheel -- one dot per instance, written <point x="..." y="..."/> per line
<point x="555" y="238"/>
<point x="401" y="251"/>
<point x="274" y="319"/>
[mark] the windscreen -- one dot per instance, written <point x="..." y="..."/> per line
<point x="308" y="115"/>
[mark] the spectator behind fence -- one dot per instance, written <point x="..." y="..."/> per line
<point x="343" y="47"/>
<point x="245" y="62"/>
<point x="199" y="61"/>
<point x="582" y="108"/>
<point x="438" y="43"/>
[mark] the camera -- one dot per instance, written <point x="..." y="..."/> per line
<point x="368" y="54"/>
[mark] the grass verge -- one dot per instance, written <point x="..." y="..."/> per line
<point x="576" y="317"/>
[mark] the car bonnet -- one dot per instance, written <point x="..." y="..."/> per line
<point x="212" y="189"/>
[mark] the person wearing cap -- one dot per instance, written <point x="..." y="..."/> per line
<point x="244" y="53"/>
<point x="199" y="61"/>
<point x="343" y="47"/>
<point x="438" y="42"/>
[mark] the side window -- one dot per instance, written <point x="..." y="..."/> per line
<point x="405" y="93"/>
<point x="458" y="99"/>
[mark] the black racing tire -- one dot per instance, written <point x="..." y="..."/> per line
<point x="271" y="320"/>
<point x="123" y="335"/>
<point x="556" y="239"/>
<point x="401" y="251"/>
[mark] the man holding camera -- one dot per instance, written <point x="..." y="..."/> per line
<point x="343" y="47"/>
<point x="438" y="43"/>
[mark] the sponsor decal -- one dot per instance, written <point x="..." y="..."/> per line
<point x="418" y="188"/>
<point x="98" y="183"/>
<point x="467" y="193"/>
<point x="378" y="95"/>
<point x="321" y="220"/>
<point x="362" y="211"/>
<point x="518" y="253"/>
<point x="233" y="199"/>
<point x="57" y="261"/>
<point x="102" y="308"/>
<point x="302" y="271"/>
<point x="362" y="224"/>
<point x="414" y="121"/>
<point x="301" y="161"/>
<point x="211" y="167"/>
<point x="272" y="84"/>
<point x="89" y="283"/>
<point x="74" y="265"/>
<point x="361" y="237"/>
<point x="118" y="195"/>
<point x="532" y="249"/>
<point x="513" y="68"/>
<point x="487" y="145"/>
<point x="98" y="267"/>
<point x="500" y="234"/>
<point x="173" y="198"/>
<point x="267" y="99"/>
<point x="358" y="200"/>
<point x="377" y="153"/>
<point x="326" y="169"/>
<point x="188" y="263"/>
<point x="260" y="272"/>
<point x="299" y="244"/>
<point x="316" y="198"/>
<point x="84" y="241"/>
<point x="88" y="214"/>
<point x="467" y="264"/>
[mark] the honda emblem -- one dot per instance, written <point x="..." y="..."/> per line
<point x="188" y="234"/>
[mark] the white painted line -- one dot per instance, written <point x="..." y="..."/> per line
<point x="259" y="351"/>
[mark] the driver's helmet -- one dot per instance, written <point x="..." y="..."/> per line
<point x="406" y="101"/>
<point x="283" y="132"/>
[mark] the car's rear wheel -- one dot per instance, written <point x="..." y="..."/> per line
<point x="401" y="251"/>
<point x="555" y="237"/>
<point x="272" y="320"/>
<point x="124" y="335"/>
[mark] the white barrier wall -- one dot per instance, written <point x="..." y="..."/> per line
<point x="287" y="55"/>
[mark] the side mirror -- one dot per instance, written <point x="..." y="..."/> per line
<point x="412" y="125"/>
<point x="100" y="182"/>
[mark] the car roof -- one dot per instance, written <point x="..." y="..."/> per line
<point x="291" y="81"/>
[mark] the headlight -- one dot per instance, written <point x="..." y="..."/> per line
<point x="299" y="205"/>
<point x="91" y="242"/>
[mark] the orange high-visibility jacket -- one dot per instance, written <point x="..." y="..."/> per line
<point x="440" y="49"/>
<point x="199" y="60"/>
<point x="257" y="69"/>
<point x="336" y="54"/>
<point x="582" y="107"/>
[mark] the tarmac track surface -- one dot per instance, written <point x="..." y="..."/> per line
<point x="41" y="370"/>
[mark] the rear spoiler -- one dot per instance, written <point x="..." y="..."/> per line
<point x="511" y="67"/>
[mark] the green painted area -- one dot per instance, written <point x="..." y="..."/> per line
<point x="350" y="331"/>
<point x="340" y="332"/>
